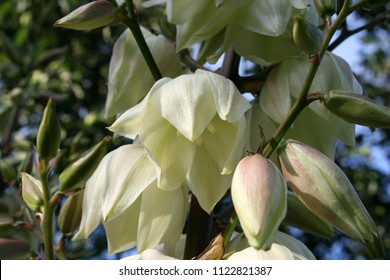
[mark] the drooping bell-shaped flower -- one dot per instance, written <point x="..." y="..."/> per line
<point x="284" y="246"/>
<point x="259" y="195"/>
<point x="323" y="187"/>
<point x="282" y="88"/>
<point x="129" y="78"/>
<point x="122" y="193"/>
<point x="232" y="23"/>
<point x="192" y="128"/>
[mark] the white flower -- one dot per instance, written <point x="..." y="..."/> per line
<point x="192" y="128"/>
<point x="284" y="247"/>
<point x="227" y="23"/>
<point x="129" y="78"/>
<point x="315" y="125"/>
<point x="122" y="193"/>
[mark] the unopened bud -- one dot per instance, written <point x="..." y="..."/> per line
<point x="32" y="192"/>
<point x="300" y="217"/>
<point x="323" y="188"/>
<point x="259" y="195"/>
<point x="325" y="8"/>
<point x="92" y="15"/>
<point x="307" y="36"/>
<point x="70" y="213"/>
<point x="77" y="173"/>
<point x="7" y="171"/>
<point x="358" y="109"/>
<point x="49" y="133"/>
<point x="11" y="249"/>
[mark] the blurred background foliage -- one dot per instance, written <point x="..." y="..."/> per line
<point x="38" y="61"/>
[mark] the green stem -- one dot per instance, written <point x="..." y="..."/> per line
<point x="348" y="33"/>
<point x="48" y="209"/>
<point x="299" y="104"/>
<point x="133" y="25"/>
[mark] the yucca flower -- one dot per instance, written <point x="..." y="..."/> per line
<point x="123" y="195"/>
<point x="192" y="128"/>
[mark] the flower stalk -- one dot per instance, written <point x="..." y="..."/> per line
<point x="302" y="101"/>
<point x="132" y="23"/>
<point x="48" y="209"/>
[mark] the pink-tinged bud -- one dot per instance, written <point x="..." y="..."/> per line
<point x="259" y="195"/>
<point x="70" y="213"/>
<point x="32" y="192"/>
<point x="323" y="188"/>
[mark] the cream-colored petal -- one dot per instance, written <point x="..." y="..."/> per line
<point x="131" y="122"/>
<point x="225" y="143"/>
<point x="94" y="193"/>
<point x="230" y="104"/>
<point x="128" y="173"/>
<point x="162" y="217"/>
<point x="296" y="246"/>
<point x="122" y="231"/>
<point x="170" y="151"/>
<point x="277" y="252"/>
<point x="267" y="17"/>
<point x="187" y="103"/>
<point x="129" y="78"/>
<point x="205" y="180"/>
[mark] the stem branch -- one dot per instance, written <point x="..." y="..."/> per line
<point x="48" y="209"/>
<point x="132" y="23"/>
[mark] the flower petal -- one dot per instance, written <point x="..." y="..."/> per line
<point x="131" y="122"/>
<point x="128" y="173"/>
<point x="95" y="190"/>
<point x="187" y="103"/>
<point x="162" y="217"/>
<point x="122" y="231"/>
<point x="171" y="153"/>
<point x="277" y="252"/>
<point x="267" y="17"/>
<point x="231" y="105"/>
<point x="296" y="246"/>
<point x="205" y="180"/>
<point x="225" y="143"/>
<point x="129" y="78"/>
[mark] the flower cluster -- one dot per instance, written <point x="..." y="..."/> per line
<point x="190" y="132"/>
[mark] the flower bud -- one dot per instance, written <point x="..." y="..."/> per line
<point x="323" y="188"/>
<point x="259" y="196"/>
<point x="32" y="192"/>
<point x="300" y="217"/>
<point x="70" y="213"/>
<point x="49" y="133"/>
<point x="92" y="15"/>
<point x="77" y="173"/>
<point x="307" y="36"/>
<point x="358" y="109"/>
<point x="7" y="171"/>
<point x="11" y="249"/>
<point x="325" y="8"/>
